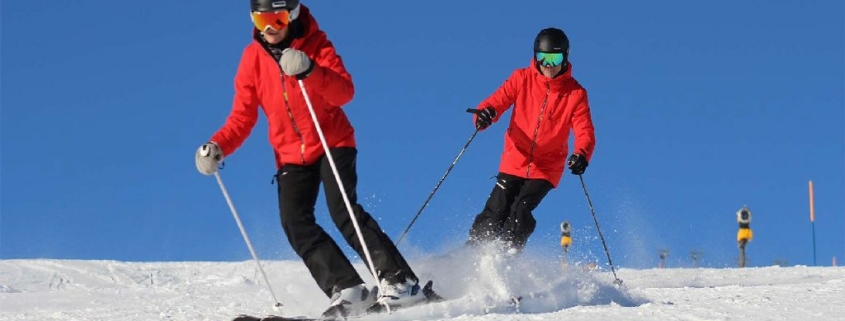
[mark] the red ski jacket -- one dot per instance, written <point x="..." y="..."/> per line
<point x="260" y="82"/>
<point x="536" y="141"/>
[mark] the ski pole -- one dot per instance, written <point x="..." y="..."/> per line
<point x="603" y="243"/>
<point x="430" y="195"/>
<point x="246" y="237"/>
<point x="340" y="184"/>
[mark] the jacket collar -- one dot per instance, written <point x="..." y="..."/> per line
<point x="555" y="83"/>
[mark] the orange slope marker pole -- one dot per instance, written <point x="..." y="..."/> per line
<point x="813" y="221"/>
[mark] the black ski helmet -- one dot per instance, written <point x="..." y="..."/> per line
<point x="552" y="40"/>
<point x="273" y="5"/>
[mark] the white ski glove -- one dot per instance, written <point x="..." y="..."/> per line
<point x="296" y="63"/>
<point x="208" y="158"/>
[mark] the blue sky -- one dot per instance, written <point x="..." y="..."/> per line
<point x="699" y="109"/>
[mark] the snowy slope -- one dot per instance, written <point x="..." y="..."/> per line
<point x="478" y="285"/>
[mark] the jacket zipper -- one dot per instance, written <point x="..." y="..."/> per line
<point x="537" y="130"/>
<point x="292" y="120"/>
<point x="287" y="106"/>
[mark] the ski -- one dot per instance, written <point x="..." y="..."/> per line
<point x="279" y="318"/>
<point x="428" y="292"/>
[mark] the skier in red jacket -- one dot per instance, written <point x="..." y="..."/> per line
<point x="288" y="46"/>
<point x="548" y="103"/>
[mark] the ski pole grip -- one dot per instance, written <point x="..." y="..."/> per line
<point x="473" y="111"/>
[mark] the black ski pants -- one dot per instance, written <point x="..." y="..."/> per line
<point x="507" y="215"/>
<point x="298" y="190"/>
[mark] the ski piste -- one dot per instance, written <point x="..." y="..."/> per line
<point x="428" y="292"/>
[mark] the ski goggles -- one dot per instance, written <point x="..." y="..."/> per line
<point x="276" y="20"/>
<point x="549" y="59"/>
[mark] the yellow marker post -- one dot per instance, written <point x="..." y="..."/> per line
<point x="565" y="236"/>
<point x="744" y="235"/>
<point x="565" y="242"/>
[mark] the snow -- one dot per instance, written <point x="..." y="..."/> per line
<point x="478" y="286"/>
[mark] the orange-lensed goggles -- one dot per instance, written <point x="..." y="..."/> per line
<point x="271" y="19"/>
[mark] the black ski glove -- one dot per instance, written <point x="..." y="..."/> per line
<point x="484" y="118"/>
<point x="577" y="163"/>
